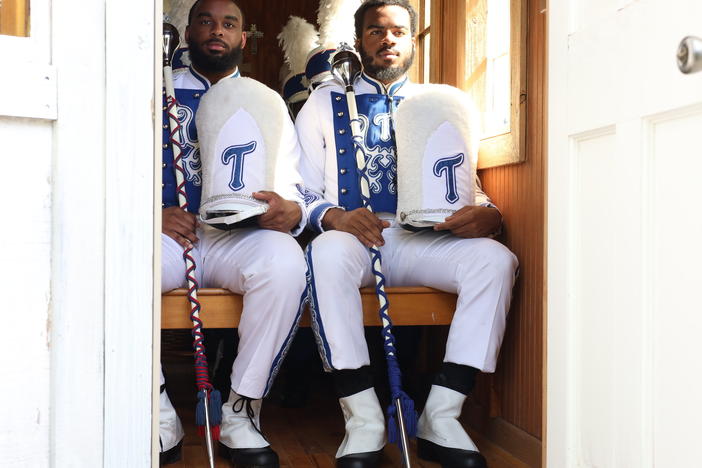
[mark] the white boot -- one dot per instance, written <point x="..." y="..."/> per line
<point x="170" y="431"/>
<point x="440" y="437"/>
<point x="365" y="428"/>
<point x="243" y="443"/>
<point x="439" y="420"/>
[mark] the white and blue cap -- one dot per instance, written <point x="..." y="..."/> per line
<point x="239" y="123"/>
<point x="297" y="39"/>
<point x="295" y="88"/>
<point x="437" y="151"/>
<point x="336" y="26"/>
<point x="318" y="68"/>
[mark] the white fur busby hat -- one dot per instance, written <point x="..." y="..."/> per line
<point x="239" y="123"/>
<point x="336" y="25"/>
<point x="437" y="151"/>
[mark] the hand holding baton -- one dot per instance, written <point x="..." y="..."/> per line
<point x="346" y="66"/>
<point x="208" y="413"/>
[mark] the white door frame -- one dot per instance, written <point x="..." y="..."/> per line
<point x="78" y="247"/>
<point x="104" y="287"/>
<point x="133" y="114"/>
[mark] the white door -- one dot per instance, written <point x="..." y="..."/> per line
<point x="624" y="334"/>
<point x="77" y="266"/>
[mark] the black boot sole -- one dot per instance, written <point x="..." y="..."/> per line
<point x="359" y="460"/>
<point x="449" y="457"/>
<point x="172" y="455"/>
<point x="250" y="458"/>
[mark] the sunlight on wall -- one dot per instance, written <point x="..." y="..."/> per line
<point x="498" y="83"/>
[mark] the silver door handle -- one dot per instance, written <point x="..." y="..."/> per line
<point x="690" y="55"/>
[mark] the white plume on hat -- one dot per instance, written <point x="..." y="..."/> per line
<point x="335" y="19"/>
<point x="297" y="39"/>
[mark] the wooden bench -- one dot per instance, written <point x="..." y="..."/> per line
<point x="222" y="309"/>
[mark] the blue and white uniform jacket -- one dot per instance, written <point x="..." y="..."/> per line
<point x="189" y="87"/>
<point x="329" y="165"/>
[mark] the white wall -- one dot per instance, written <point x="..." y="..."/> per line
<point x="25" y="235"/>
<point x="27" y="108"/>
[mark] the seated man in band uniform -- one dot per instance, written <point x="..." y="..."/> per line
<point x="263" y="263"/>
<point x="457" y="256"/>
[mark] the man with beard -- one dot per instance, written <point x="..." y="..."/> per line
<point x="457" y="256"/>
<point x="266" y="265"/>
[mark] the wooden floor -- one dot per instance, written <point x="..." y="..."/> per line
<point x="302" y="437"/>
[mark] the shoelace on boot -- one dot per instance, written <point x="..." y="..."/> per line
<point x="245" y="402"/>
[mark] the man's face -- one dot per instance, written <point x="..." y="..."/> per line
<point x="215" y="37"/>
<point x="386" y="43"/>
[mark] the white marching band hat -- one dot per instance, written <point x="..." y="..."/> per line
<point x="336" y="25"/>
<point x="239" y="123"/>
<point x="437" y="154"/>
<point x="297" y="39"/>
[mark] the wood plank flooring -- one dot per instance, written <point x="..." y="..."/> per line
<point x="309" y="437"/>
<point x="302" y="437"/>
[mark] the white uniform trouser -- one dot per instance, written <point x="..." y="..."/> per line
<point x="481" y="271"/>
<point x="170" y="430"/>
<point x="268" y="269"/>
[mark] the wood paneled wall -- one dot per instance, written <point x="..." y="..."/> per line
<point x="270" y="16"/>
<point x="520" y="191"/>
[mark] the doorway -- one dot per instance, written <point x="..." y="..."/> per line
<point x="506" y="412"/>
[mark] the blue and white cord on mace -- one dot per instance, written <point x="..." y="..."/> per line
<point x="346" y="66"/>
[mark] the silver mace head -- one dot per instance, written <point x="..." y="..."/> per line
<point x="171" y="39"/>
<point x="346" y="65"/>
